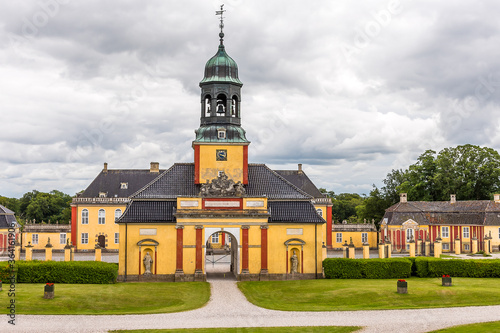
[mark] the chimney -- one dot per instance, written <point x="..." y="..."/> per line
<point x="496" y="198"/>
<point x="105" y="170"/>
<point x="154" y="167"/>
<point x="453" y="198"/>
<point x="300" y="167"/>
<point x="403" y="198"/>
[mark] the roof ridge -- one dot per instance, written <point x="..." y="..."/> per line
<point x="151" y="182"/>
<point x="292" y="185"/>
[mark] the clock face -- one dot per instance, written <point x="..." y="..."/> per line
<point x="221" y="155"/>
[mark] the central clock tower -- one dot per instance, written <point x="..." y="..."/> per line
<point x="221" y="144"/>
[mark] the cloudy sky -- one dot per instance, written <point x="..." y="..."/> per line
<point x="350" y="89"/>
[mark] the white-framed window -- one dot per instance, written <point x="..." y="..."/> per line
<point x="124" y="186"/>
<point x="466" y="247"/>
<point x="118" y="213"/>
<point x="320" y="212"/>
<point x="221" y="134"/>
<point x="85" y="237"/>
<point x="215" y="238"/>
<point x="219" y="173"/>
<point x="339" y="237"/>
<point x="409" y="234"/>
<point x="62" y="238"/>
<point x="117" y="237"/>
<point x="85" y="216"/>
<point x="446" y="246"/>
<point x="34" y="239"/>
<point x="465" y="231"/>
<point x="445" y="232"/>
<point x="103" y="194"/>
<point x="364" y="237"/>
<point x="101" y="218"/>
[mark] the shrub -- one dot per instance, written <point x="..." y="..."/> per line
<point x="5" y="272"/>
<point x="480" y="268"/>
<point x="88" y="272"/>
<point x="343" y="268"/>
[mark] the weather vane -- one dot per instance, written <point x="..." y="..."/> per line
<point x="221" y="25"/>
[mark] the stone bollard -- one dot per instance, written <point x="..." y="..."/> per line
<point x="381" y="249"/>
<point x="402" y="287"/>
<point x="411" y="243"/>
<point x="474" y="244"/>
<point x="458" y="250"/>
<point x="68" y="252"/>
<point x="366" y="251"/>
<point x="48" y="291"/>
<point x="17" y="251"/>
<point x="29" y="252"/>
<point x="389" y="249"/>
<point x="428" y="248"/>
<point x="344" y="250"/>
<point x="352" y="250"/>
<point x="438" y="248"/>
<point x="486" y="245"/>
<point x="97" y="252"/>
<point x="48" y="251"/>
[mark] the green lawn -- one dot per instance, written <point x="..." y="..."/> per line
<point x="370" y="294"/>
<point x="491" y="327"/>
<point x="101" y="299"/>
<point x="318" y="329"/>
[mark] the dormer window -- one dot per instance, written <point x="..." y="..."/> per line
<point x="123" y="186"/>
<point x="221" y="133"/>
<point x="103" y="194"/>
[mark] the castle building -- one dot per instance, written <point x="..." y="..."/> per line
<point x="9" y="229"/>
<point x="277" y="223"/>
<point x="455" y="224"/>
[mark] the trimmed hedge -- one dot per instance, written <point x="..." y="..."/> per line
<point x="343" y="268"/>
<point x="84" y="272"/>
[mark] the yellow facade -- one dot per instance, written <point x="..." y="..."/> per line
<point x="232" y="166"/>
<point x="340" y="237"/>
<point x="38" y="235"/>
<point x="87" y="234"/>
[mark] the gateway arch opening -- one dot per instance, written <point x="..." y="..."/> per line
<point x="221" y="255"/>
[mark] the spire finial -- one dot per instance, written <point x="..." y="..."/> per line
<point x="221" y="24"/>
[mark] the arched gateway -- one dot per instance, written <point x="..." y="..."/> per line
<point x="278" y="220"/>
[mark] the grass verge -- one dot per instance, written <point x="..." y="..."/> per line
<point x="492" y="326"/>
<point x="370" y="294"/>
<point x="304" y="329"/>
<point x="105" y="299"/>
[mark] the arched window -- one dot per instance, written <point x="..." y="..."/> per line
<point x="409" y="234"/>
<point x="207" y="103"/>
<point x="221" y="105"/>
<point x="118" y="213"/>
<point x="101" y="218"/>
<point x="234" y="107"/>
<point x="85" y="216"/>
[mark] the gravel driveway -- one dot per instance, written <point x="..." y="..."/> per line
<point x="229" y="308"/>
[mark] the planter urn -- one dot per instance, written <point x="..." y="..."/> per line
<point x="446" y="281"/>
<point x="48" y="291"/>
<point x="402" y="287"/>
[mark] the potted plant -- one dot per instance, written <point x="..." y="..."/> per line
<point x="48" y="291"/>
<point x="402" y="287"/>
<point x="446" y="281"/>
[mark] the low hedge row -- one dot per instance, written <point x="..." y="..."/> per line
<point x="84" y="272"/>
<point x="340" y="268"/>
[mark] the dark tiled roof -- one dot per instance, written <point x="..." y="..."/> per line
<point x="179" y="181"/>
<point x="7" y="218"/>
<point x="480" y="212"/>
<point x="174" y="182"/>
<point x="300" y="179"/>
<point x="110" y="181"/>
<point x="293" y="212"/>
<point x="149" y="212"/>
<point x="264" y="181"/>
